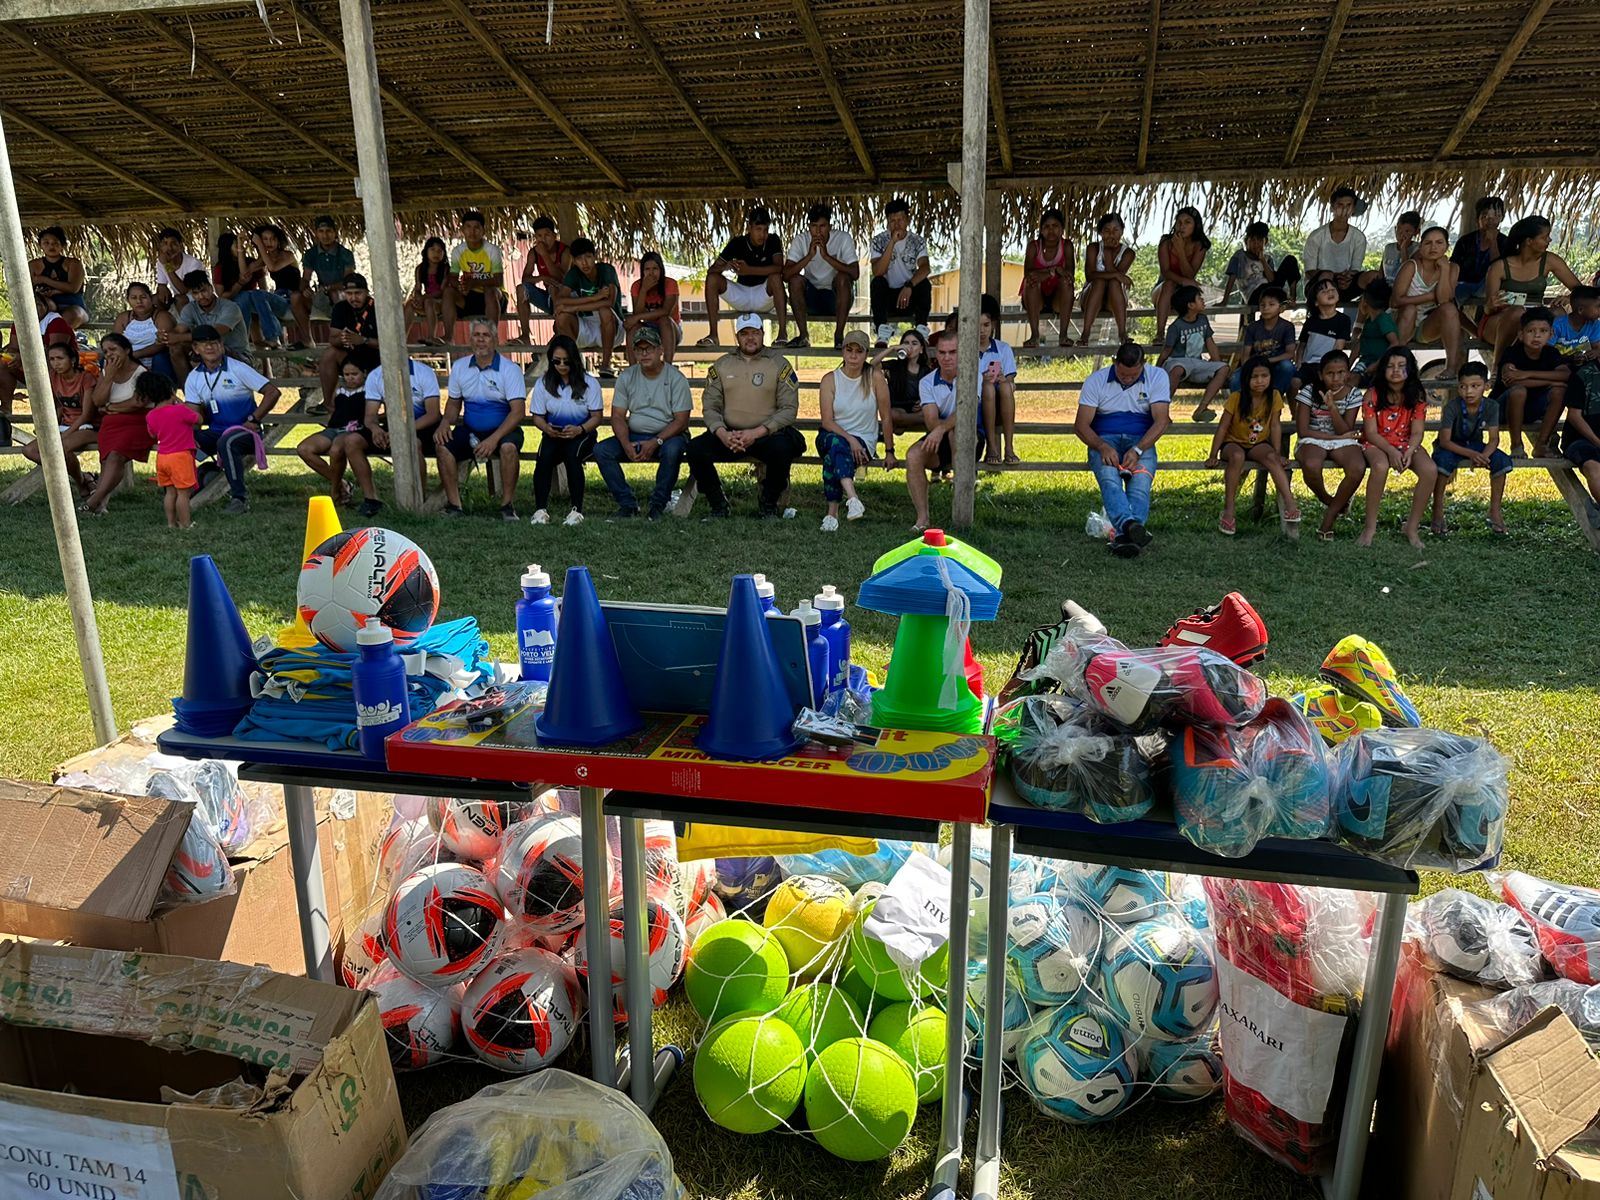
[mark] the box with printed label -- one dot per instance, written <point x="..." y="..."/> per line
<point x="127" y="1076"/>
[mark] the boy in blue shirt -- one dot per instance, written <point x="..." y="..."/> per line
<point x="1469" y="436"/>
<point x="1576" y="334"/>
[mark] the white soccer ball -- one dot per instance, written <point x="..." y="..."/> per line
<point x="473" y="828"/>
<point x="364" y="951"/>
<point x="1054" y="945"/>
<point x="1160" y="981"/>
<point x="666" y="941"/>
<point x="539" y="874"/>
<point x="443" y="922"/>
<point x="368" y="572"/>
<point x="519" y="1013"/>
<point x="420" y="1023"/>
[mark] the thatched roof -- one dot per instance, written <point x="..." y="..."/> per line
<point x="645" y="110"/>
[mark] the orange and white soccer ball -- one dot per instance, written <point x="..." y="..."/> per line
<point x="369" y="572"/>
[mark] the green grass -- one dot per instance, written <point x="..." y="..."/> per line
<point x="1496" y="637"/>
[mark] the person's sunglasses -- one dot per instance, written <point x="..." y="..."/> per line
<point x="561" y="362"/>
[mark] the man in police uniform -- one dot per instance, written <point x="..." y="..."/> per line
<point x="751" y="399"/>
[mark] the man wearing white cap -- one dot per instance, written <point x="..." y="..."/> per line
<point x="750" y="402"/>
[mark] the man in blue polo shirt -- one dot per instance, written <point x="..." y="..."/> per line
<point x="482" y="418"/>
<point x="1122" y="413"/>
<point x="225" y="390"/>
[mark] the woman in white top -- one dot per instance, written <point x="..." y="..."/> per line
<point x="118" y="414"/>
<point x="566" y="407"/>
<point x="1424" y="300"/>
<point x="1106" y="264"/>
<point x="855" y="412"/>
<point x="143" y="324"/>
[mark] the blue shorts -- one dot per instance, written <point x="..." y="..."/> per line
<point x="463" y="441"/>
<point x="69" y="300"/>
<point x="539" y="298"/>
<point x="1449" y="462"/>
<point x="1536" y="405"/>
<point x="821" y="302"/>
<point x="1581" y="451"/>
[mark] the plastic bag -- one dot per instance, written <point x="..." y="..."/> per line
<point x="1510" y="1011"/>
<point x="1475" y="939"/>
<point x="1141" y="689"/>
<point x="200" y="870"/>
<point x="1099" y="526"/>
<point x="1064" y="756"/>
<point x="1233" y="787"/>
<point x="1421" y="798"/>
<point x="1565" y="918"/>
<point x="554" y="1134"/>
<point x="853" y="870"/>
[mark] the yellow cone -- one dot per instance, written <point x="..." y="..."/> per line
<point x="322" y="522"/>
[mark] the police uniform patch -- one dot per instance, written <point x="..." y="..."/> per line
<point x="758" y="378"/>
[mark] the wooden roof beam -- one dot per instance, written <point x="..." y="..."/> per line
<point x="1330" y="44"/>
<point x="997" y="102"/>
<point x="20" y="36"/>
<point x="1502" y="67"/>
<point x="647" y="44"/>
<point x="533" y="91"/>
<point x="50" y="196"/>
<point x="211" y="67"/>
<point x="36" y="10"/>
<point x="44" y="133"/>
<point x="1147" y="109"/>
<point x="401" y="105"/>
<point x="819" y="52"/>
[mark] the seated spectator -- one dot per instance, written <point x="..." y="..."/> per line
<point x="145" y="327"/>
<point x="352" y="337"/>
<point x="1424" y="294"/>
<point x="935" y="450"/>
<point x="72" y="389"/>
<point x="324" y="268"/>
<point x="1576" y="334"/>
<point x="1407" y="231"/>
<point x="1049" y="276"/>
<point x="430" y="279"/>
<point x="1327" y="418"/>
<point x="1106" y="281"/>
<point x="854" y="400"/>
<point x="58" y="278"/>
<point x="1581" y="437"/>
<point x="1518" y="281"/>
<point x="821" y="272"/>
<point x="1271" y="336"/>
<point x="1530" y="382"/>
<point x="1254" y="267"/>
<point x="1476" y="250"/>
<point x="650" y="409"/>
<point x="482" y="419"/>
<point x="1376" y="327"/>
<point x="542" y="276"/>
<point x="566" y="407"/>
<point x="750" y="402"/>
<point x="655" y="303"/>
<point x="476" y="267"/>
<point x="589" y="304"/>
<point x="237" y="279"/>
<point x="1394" y="416"/>
<point x="903" y="369"/>
<point x="1249" y="432"/>
<point x="1338" y="249"/>
<point x="225" y="390"/>
<point x="1189" y="350"/>
<point x="901" y="292"/>
<point x="326" y="451"/>
<point x="56" y="331"/>
<point x="1469" y="436"/>
<point x="283" y="269"/>
<point x="205" y="307"/>
<point x="1180" y="255"/>
<point x="119" y="417"/>
<point x="756" y="259"/>
<point x="173" y="264"/>
<point x="997" y="374"/>
<point x="1327" y="327"/>
<point x="1122" y="413"/>
<point x="423" y="387"/>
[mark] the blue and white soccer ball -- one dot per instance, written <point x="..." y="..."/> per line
<point x="1160" y="981"/>
<point x="1183" y="1071"/>
<point x="1189" y="894"/>
<point x="1054" y="946"/>
<point x="745" y="884"/>
<point x="1121" y="894"/>
<point x="1078" y="1064"/>
<point x="1015" y="1018"/>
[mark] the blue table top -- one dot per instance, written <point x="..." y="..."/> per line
<point x="315" y="755"/>
<point x="1158" y="846"/>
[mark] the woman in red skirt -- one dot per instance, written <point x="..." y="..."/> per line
<point x="119" y="417"/>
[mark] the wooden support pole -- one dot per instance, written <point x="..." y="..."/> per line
<point x="974" y="169"/>
<point x="993" y="233"/>
<point x="1474" y="186"/>
<point x="372" y="157"/>
<point x="58" y="487"/>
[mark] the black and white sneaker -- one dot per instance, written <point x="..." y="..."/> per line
<point x="1136" y="533"/>
<point x="508" y="513"/>
<point x="452" y="510"/>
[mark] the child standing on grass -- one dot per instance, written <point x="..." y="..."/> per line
<point x="1326" y="418"/>
<point x="1393" y="416"/>
<point x="172" y="426"/>
<point x="1249" y="432"/>
<point x="1377" y="327"/>
<point x="1469" y="436"/>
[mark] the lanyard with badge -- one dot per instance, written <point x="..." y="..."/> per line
<point x="212" y="381"/>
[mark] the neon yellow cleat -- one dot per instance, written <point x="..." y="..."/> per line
<point x="1359" y="668"/>
<point x="1336" y="715"/>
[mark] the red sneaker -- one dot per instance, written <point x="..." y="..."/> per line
<point x="1231" y="627"/>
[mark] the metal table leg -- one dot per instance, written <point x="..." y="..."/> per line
<point x="986" y="1160"/>
<point x="644" y="1085"/>
<point x="597" y="935"/>
<point x="948" y="1167"/>
<point x="305" y="853"/>
<point x="1372" y="1031"/>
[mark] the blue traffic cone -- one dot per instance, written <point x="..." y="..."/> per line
<point x="219" y="660"/>
<point x="587" y="703"/>
<point x="752" y="716"/>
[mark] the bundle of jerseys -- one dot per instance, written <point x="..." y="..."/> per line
<point x="306" y="694"/>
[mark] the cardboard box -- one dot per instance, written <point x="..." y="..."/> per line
<point x="1468" y="1112"/>
<point x="153" y="1077"/>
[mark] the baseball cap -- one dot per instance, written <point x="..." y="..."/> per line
<point x="324" y="222"/>
<point x="858" y="337"/>
<point x="747" y="321"/>
<point x="205" y="333"/>
<point x="649" y="334"/>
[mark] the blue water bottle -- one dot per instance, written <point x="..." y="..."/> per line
<point x="816" y="650"/>
<point x="379" y="682"/>
<point x="767" y="593"/>
<point x="536" y="625"/>
<point x="836" y="632"/>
